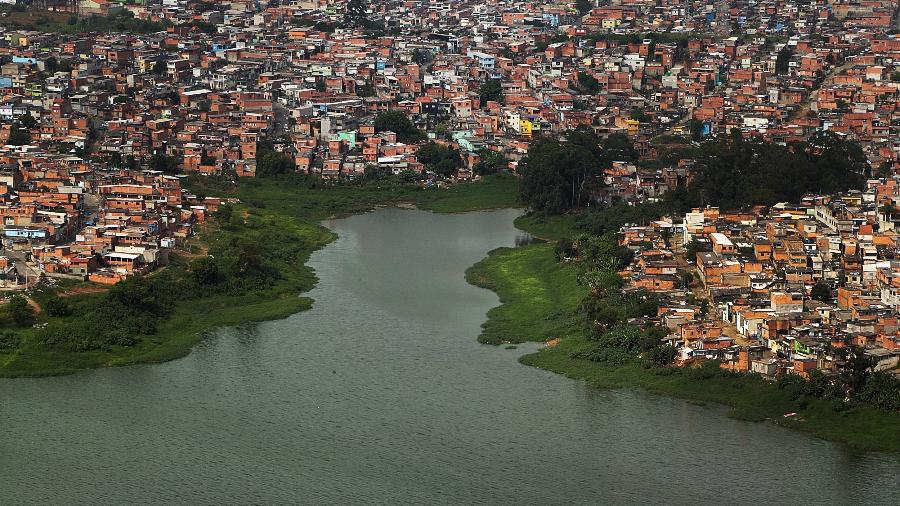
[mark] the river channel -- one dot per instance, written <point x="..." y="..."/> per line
<point x="380" y="394"/>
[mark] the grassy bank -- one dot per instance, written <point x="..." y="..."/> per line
<point x="185" y="315"/>
<point x="551" y="228"/>
<point x="312" y="199"/>
<point x="538" y="294"/>
<point x="285" y="211"/>
<point x="539" y="301"/>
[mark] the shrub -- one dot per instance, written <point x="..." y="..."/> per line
<point x="9" y="340"/>
<point x="661" y="355"/>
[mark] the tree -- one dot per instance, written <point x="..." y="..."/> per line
<point x="783" y="60"/>
<point x="271" y="163"/>
<point x="115" y="159"/>
<point x="733" y="175"/>
<point x="224" y="213"/>
<point x="163" y="163"/>
<point x="159" y="68"/>
<point x="396" y="121"/>
<point x="564" y="249"/>
<point x="28" y="121"/>
<point x="696" y="128"/>
<point x="857" y="366"/>
<point x="694" y="247"/>
<point x="56" y="306"/>
<point x="20" y="311"/>
<point x="490" y="162"/>
<point x="821" y="291"/>
<point x="9" y="340"/>
<point x="19" y="136"/>
<point x="617" y="148"/>
<point x="51" y="64"/>
<point x="588" y="84"/>
<point x="355" y="14"/>
<point x="205" y="271"/>
<point x="490" y="91"/>
<point x="443" y="160"/>
<point x="421" y="56"/>
<point x="558" y="174"/>
<point x="584" y="6"/>
<point x="661" y="355"/>
<point x="882" y="391"/>
<point x="366" y="90"/>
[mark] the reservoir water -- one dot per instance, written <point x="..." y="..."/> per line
<point x="380" y="394"/>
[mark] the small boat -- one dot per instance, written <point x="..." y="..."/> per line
<point x="788" y="415"/>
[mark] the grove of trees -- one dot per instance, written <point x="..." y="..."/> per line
<point x="398" y="122"/>
<point x="733" y="173"/>
<point x="559" y="174"/>
<point x="441" y="159"/>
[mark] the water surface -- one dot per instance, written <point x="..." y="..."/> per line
<point x="380" y="394"/>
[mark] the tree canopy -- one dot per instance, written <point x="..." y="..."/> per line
<point x="443" y="160"/>
<point x="490" y="90"/>
<point x="397" y="121"/>
<point x="163" y="163"/>
<point x="587" y="84"/>
<point x="559" y="174"/>
<point x="19" y="135"/>
<point x="783" y="60"/>
<point x="735" y="175"/>
<point x="490" y="162"/>
<point x="270" y="162"/>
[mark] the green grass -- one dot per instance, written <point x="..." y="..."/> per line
<point x="539" y="295"/>
<point x="295" y="197"/>
<point x="493" y="192"/>
<point x="539" y="298"/>
<point x="551" y="228"/>
<point x="749" y="397"/>
<point x="288" y="204"/>
<point x="191" y="318"/>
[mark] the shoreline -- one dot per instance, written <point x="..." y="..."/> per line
<point x="193" y="320"/>
<point x="540" y="311"/>
<point x="517" y="274"/>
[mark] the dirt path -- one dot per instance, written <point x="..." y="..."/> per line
<point x="31" y="303"/>
<point x="82" y="290"/>
<point x="34" y="305"/>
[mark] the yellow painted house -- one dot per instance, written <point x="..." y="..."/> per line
<point x="17" y="39"/>
<point x="526" y="127"/>
<point x="633" y="126"/>
<point x="610" y="23"/>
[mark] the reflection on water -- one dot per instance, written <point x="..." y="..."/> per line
<point x="524" y="239"/>
<point x="381" y="394"/>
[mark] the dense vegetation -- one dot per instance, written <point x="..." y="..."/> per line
<point x="398" y="122"/>
<point x="601" y="346"/>
<point x="19" y="18"/>
<point x="270" y="162"/>
<point x="251" y="251"/>
<point x="546" y="292"/>
<point x="732" y="173"/>
<point x="250" y="257"/>
<point x="735" y="174"/>
<point x="559" y="174"/>
<point x="490" y="162"/>
<point x="440" y="159"/>
<point x="490" y="90"/>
